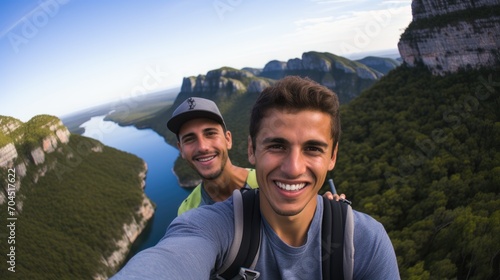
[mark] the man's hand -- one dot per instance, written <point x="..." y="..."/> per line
<point x="332" y="196"/>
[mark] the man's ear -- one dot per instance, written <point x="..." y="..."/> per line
<point x="333" y="160"/>
<point x="229" y="139"/>
<point x="180" y="149"/>
<point x="250" y="151"/>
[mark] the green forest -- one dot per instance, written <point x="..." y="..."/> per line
<point x="420" y="154"/>
<point x="71" y="217"/>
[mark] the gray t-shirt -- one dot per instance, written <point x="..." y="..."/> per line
<point x="197" y="242"/>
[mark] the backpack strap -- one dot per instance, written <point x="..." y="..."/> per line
<point x="245" y="247"/>
<point x="349" y="244"/>
<point x="337" y="244"/>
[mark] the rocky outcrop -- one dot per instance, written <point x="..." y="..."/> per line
<point x="254" y="71"/>
<point x="318" y="62"/>
<point x="8" y="125"/>
<point x="383" y="65"/>
<point x="447" y="36"/>
<point x="39" y="136"/>
<point x="256" y="86"/>
<point x="224" y="81"/>
<point x="37" y="156"/>
<point x="131" y="231"/>
<point x="7" y="155"/>
<point x="422" y="9"/>
<point x="275" y="65"/>
<point x="345" y="77"/>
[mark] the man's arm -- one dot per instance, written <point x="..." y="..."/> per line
<point x="171" y="258"/>
<point x="194" y="242"/>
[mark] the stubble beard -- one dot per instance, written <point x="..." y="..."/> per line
<point x="216" y="174"/>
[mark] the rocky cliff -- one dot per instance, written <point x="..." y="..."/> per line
<point x="320" y="62"/>
<point x="46" y="165"/>
<point x="447" y="36"/>
<point x="39" y="136"/>
<point x="346" y="77"/>
<point x="223" y="82"/>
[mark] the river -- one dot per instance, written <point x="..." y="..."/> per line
<point x="161" y="183"/>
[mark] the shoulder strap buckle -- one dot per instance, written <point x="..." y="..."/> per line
<point x="249" y="274"/>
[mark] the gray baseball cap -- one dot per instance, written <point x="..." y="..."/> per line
<point x="193" y="108"/>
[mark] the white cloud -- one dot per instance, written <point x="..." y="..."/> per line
<point x="303" y="22"/>
<point x="356" y="31"/>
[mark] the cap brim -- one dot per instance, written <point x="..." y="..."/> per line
<point x="175" y="123"/>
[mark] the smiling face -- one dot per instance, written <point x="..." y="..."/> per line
<point x="293" y="153"/>
<point x="204" y="145"/>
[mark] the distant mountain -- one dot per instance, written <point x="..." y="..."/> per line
<point x="345" y="77"/>
<point x="124" y="111"/>
<point x="381" y="64"/>
<point x="75" y="205"/>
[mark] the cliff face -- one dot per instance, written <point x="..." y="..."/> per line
<point x="40" y="135"/>
<point x="45" y="159"/>
<point x="222" y="82"/>
<point x="345" y="77"/>
<point x="130" y="233"/>
<point x="422" y="9"/>
<point x="447" y="36"/>
<point x="320" y="62"/>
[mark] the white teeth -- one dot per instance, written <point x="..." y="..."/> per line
<point x="290" y="187"/>
<point x="206" y="159"/>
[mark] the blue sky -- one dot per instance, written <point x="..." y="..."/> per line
<point x="61" y="56"/>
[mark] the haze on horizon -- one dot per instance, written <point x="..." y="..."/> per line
<point x="61" y="56"/>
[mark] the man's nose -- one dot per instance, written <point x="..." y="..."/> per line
<point x="203" y="144"/>
<point x="294" y="164"/>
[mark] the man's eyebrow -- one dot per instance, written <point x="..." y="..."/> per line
<point x="205" y="130"/>
<point x="317" y="143"/>
<point x="274" y="140"/>
<point x="186" y="136"/>
<point x="280" y="140"/>
<point x="208" y="129"/>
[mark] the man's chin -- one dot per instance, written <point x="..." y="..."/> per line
<point x="210" y="176"/>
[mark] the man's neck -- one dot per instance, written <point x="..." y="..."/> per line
<point x="291" y="229"/>
<point x="222" y="187"/>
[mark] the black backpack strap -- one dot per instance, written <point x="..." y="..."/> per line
<point x="332" y="236"/>
<point x="246" y="243"/>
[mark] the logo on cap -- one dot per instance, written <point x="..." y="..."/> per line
<point x="191" y="103"/>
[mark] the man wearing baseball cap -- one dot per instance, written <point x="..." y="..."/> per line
<point x="204" y="142"/>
